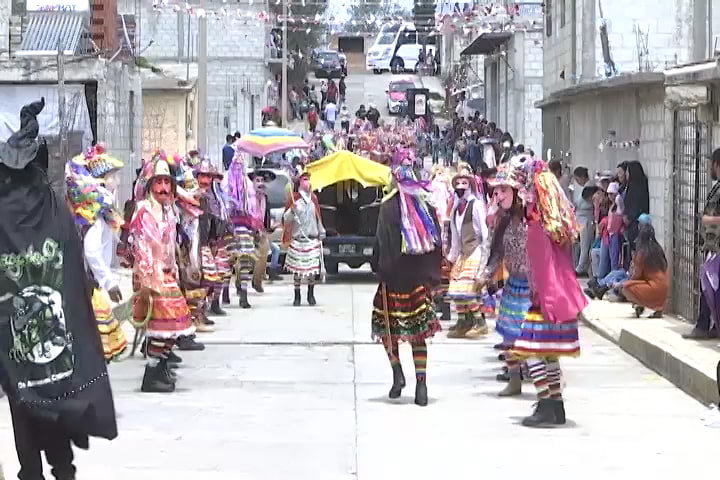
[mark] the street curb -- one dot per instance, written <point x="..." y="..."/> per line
<point x="669" y="361"/>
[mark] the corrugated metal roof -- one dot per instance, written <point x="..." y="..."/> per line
<point x="46" y="29"/>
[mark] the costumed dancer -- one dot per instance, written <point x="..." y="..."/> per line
<point x="91" y="181"/>
<point x="213" y="224"/>
<point x="243" y="218"/>
<point x="468" y="254"/>
<point x="303" y="234"/>
<point x="265" y="246"/>
<point x="155" y="276"/>
<point x="408" y="253"/>
<point x="188" y="251"/>
<point x="51" y="363"/>
<point x="441" y="199"/>
<point x="534" y="237"/>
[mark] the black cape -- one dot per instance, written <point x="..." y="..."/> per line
<point x="399" y="271"/>
<point x="51" y="358"/>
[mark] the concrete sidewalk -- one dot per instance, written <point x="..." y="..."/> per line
<point x="658" y="344"/>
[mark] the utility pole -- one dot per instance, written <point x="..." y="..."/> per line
<point x="202" y="91"/>
<point x="283" y="93"/>
<point x="62" y="114"/>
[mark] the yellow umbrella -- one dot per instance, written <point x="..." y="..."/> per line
<point x="344" y="165"/>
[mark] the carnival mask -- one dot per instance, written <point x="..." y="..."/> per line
<point x="461" y="186"/>
<point x="111" y="181"/>
<point x="162" y="190"/>
<point x="259" y="184"/>
<point x="305" y="184"/>
<point x="205" y="181"/>
<point x="504" y="196"/>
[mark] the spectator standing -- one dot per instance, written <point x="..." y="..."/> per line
<point x="330" y="114"/>
<point x="637" y="202"/>
<point x="343" y="89"/>
<point x="706" y="325"/>
<point x="584" y="215"/>
<point x="228" y="151"/>
<point x="345" y="118"/>
<point x="312" y="118"/>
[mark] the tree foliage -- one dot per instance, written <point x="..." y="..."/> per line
<point x="369" y="16"/>
<point x="303" y="35"/>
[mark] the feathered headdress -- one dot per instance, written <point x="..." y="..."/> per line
<point x="420" y="234"/>
<point x="86" y="195"/>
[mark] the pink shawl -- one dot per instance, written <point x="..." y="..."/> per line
<point x="552" y="277"/>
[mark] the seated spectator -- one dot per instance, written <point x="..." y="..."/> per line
<point x="648" y="286"/>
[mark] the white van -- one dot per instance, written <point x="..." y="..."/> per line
<point x="396" y="49"/>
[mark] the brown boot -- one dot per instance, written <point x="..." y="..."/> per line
<point x="461" y="329"/>
<point x="479" y="326"/>
<point x="201" y="326"/>
<point x="513" y="388"/>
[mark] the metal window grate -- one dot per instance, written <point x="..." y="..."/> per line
<point x="692" y="149"/>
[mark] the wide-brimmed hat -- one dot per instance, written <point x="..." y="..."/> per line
<point x="510" y="175"/>
<point x="267" y="175"/>
<point x="464" y="171"/>
<point x="207" y="168"/>
<point x="98" y="162"/>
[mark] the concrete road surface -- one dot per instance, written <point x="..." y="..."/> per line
<point x="301" y="393"/>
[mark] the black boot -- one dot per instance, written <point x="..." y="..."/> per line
<point x="188" y="343"/>
<point x="421" y="397"/>
<point x="243" y="298"/>
<point x="275" y="275"/>
<point x="297" y="301"/>
<point x="398" y="381"/>
<point x="544" y="414"/>
<point x="215" y="307"/>
<point x="311" y="295"/>
<point x="559" y="407"/>
<point x="226" y="296"/>
<point x="173" y="357"/>
<point x="155" y="381"/>
<point x="445" y="310"/>
<point x="167" y="370"/>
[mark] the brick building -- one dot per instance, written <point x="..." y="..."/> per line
<point x="102" y="88"/>
<point x="612" y="93"/>
<point x="237" y="66"/>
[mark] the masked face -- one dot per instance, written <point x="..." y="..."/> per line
<point x="504" y="196"/>
<point x="462" y="185"/>
<point x="506" y="144"/>
<point x="259" y="184"/>
<point x="111" y="181"/>
<point x="205" y="181"/>
<point x="305" y="184"/>
<point x="162" y="190"/>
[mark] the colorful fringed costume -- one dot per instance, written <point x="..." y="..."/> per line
<point x="155" y="276"/>
<point x="541" y="299"/>
<point x="99" y="223"/>
<point x="468" y="254"/>
<point x="408" y="260"/>
<point x="242" y="207"/>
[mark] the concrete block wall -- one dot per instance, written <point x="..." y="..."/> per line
<point x="5" y="29"/>
<point x="654" y="158"/>
<point x="119" y="119"/>
<point x="667" y="23"/>
<point x="532" y="90"/>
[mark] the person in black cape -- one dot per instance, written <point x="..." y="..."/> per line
<point x="51" y="359"/>
<point x="403" y="305"/>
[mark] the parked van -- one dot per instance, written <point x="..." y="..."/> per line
<point x="396" y="49"/>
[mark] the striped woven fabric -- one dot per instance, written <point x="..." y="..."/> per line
<point x="540" y="338"/>
<point x="211" y="276"/>
<point x="303" y="257"/>
<point x="410" y="315"/>
<point x="170" y="314"/>
<point x="463" y="288"/>
<point x="111" y="334"/>
<point x="514" y="306"/>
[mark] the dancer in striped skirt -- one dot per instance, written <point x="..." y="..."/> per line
<point x="408" y="254"/>
<point x="91" y="181"/>
<point x="542" y="299"/>
<point x="303" y="234"/>
<point x="468" y="254"/>
<point x="242" y="209"/>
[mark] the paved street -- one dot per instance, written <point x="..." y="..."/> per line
<point x="284" y="392"/>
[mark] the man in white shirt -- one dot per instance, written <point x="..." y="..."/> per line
<point x="95" y="171"/>
<point x="330" y="115"/>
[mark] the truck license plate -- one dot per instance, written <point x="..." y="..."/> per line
<point x="346" y="249"/>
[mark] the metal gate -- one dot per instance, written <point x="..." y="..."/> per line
<point x="691" y="177"/>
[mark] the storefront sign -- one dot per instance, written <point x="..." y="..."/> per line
<point x="69" y="6"/>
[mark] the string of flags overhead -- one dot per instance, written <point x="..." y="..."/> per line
<point x="464" y="18"/>
<point x="616" y="144"/>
